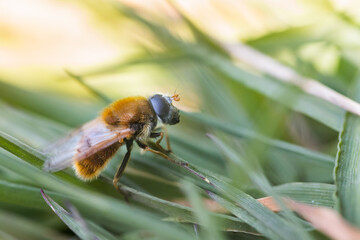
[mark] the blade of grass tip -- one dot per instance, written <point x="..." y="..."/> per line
<point x="259" y="179"/>
<point x="196" y="231"/>
<point x="97" y="230"/>
<point x="201" y="213"/>
<point x="74" y="213"/>
<point x="279" y="71"/>
<point x="73" y="220"/>
<point x="92" y="90"/>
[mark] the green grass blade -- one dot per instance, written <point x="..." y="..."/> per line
<point x="289" y="96"/>
<point x="201" y="213"/>
<point x="76" y="224"/>
<point x="347" y="170"/>
<point x="184" y="214"/>
<point x="251" y="167"/>
<point x="50" y="106"/>
<point x="318" y="194"/>
<point x="291" y="150"/>
<point x="96" y="93"/>
<point x="257" y="220"/>
<point x="291" y="38"/>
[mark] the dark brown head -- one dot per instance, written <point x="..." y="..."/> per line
<point x="164" y="108"/>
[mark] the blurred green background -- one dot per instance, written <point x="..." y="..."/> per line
<point x="271" y="138"/>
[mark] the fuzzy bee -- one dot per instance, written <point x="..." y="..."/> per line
<point x="134" y="119"/>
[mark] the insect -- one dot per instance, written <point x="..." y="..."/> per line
<point x="133" y="119"/>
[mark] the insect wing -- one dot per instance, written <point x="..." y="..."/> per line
<point x="82" y="143"/>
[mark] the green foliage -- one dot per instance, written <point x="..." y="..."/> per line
<point x="266" y="138"/>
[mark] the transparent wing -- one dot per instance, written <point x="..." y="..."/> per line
<point x="82" y="143"/>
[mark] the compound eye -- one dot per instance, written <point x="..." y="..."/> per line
<point x="161" y="106"/>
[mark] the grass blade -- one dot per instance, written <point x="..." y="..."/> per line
<point x="292" y="225"/>
<point x="201" y="213"/>
<point x="291" y="150"/>
<point x="347" y="170"/>
<point x="318" y="194"/>
<point x="74" y="222"/>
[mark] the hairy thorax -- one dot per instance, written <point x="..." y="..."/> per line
<point x="135" y="113"/>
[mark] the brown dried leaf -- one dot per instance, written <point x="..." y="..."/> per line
<point x="326" y="220"/>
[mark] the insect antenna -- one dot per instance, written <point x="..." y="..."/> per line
<point x="175" y="96"/>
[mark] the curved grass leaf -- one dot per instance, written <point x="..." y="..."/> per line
<point x="318" y="194"/>
<point x="291" y="150"/>
<point x="76" y="223"/>
<point x="324" y="112"/>
<point x="291" y="38"/>
<point x="184" y="214"/>
<point x="57" y="108"/>
<point x="292" y="225"/>
<point x="210" y="231"/>
<point x="347" y="170"/>
<point x="257" y="221"/>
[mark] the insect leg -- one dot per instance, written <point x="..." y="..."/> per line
<point x="181" y="164"/>
<point x="161" y="135"/>
<point x="147" y="148"/>
<point x="122" y="168"/>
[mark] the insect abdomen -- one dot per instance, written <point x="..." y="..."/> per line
<point x="91" y="167"/>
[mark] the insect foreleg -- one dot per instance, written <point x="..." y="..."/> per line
<point x="160" y="153"/>
<point x="181" y="164"/>
<point x="161" y="135"/>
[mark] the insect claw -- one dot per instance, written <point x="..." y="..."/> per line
<point x="123" y="192"/>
